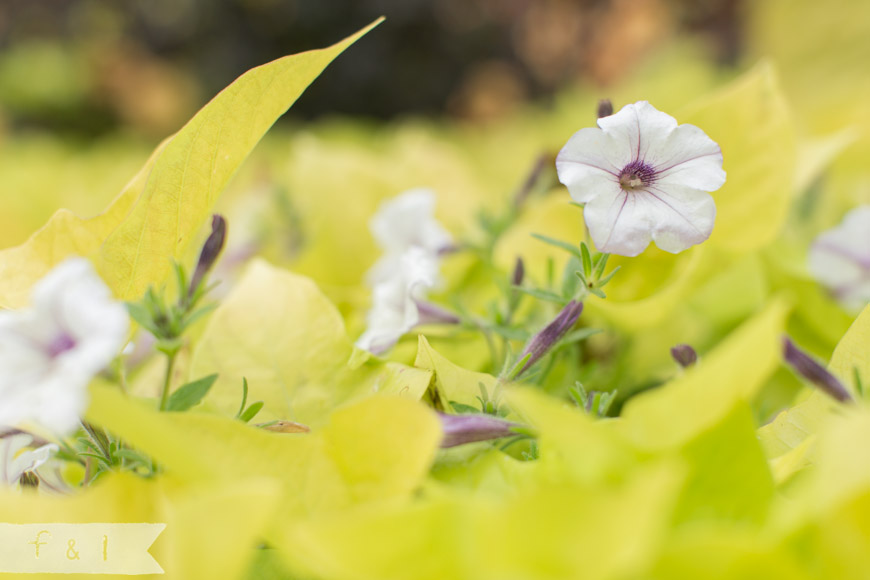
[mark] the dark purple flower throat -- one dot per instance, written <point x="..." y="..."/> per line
<point x="636" y="175"/>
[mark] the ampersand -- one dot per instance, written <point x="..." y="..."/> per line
<point x="71" y="552"/>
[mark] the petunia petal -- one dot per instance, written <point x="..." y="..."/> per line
<point x="839" y="258"/>
<point x="617" y="225"/>
<point x="408" y="220"/>
<point x="688" y="157"/>
<point x="395" y="308"/>
<point x="676" y="219"/>
<point x="641" y="127"/>
<point x="589" y="161"/>
<point x="685" y="217"/>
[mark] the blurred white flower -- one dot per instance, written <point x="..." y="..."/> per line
<point x="15" y="459"/>
<point x="395" y="309"/>
<point x="403" y="222"/>
<point x="50" y="351"/>
<point x="840" y="259"/>
<point x="643" y="178"/>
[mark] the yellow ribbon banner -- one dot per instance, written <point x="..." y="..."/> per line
<point x="78" y="548"/>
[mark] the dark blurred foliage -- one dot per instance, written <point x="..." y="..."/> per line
<point x="87" y="66"/>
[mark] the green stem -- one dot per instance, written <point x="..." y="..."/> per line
<point x="170" y="366"/>
<point x="490" y="344"/>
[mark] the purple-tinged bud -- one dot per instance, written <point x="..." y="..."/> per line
<point x="433" y="314"/>
<point x="211" y="249"/>
<point x="685" y="355"/>
<point x="519" y="272"/>
<point x="461" y="429"/>
<point x="541" y="343"/>
<point x="605" y="108"/>
<point x="818" y="375"/>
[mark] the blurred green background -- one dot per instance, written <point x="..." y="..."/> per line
<point x="87" y="67"/>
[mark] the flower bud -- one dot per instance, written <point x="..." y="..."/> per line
<point x="519" y="272"/>
<point x="541" y="343"/>
<point x="433" y="314"/>
<point x="605" y="108"/>
<point x="461" y="429"/>
<point x="685" y="355"/>
<point x="818" y="375"/>
<point x="211" y="249"/>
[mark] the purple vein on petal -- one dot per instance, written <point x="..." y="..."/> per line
<point x="862" y="262"/>
<point x="611" y="172"/>
<point x="616" y="220"/>
<point x="675" y="210"/>
<point x="678" y="163"/>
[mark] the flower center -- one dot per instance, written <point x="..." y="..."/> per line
<point x="636" y="175"/>
<point x="60" y="344"/>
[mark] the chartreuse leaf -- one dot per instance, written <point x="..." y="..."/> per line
<point x="375" y="450"/>
<point x="729" y="479"/>
<point x="752" y="123"/>
<point x="451" y="383"/>
<point x="571" y="443"/>
<point x="830" y="510"/>
<point x="789" y="440"/>
<point x="211" y="530"/>
<point x="644" y="310"/>
<point x="156" y="216"/>
<point x="684" y="408"/>
<point x="553" y="530"/>
<point x="726" y="553"/>
<point x="279" y="331"/>
<point x="215" y="529"/>
<point x="427" y="540"/>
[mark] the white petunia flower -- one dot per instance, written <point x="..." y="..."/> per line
<point x="50" y="351"/>
<point x="395" y="309"/>
<point x="840" y="259"/>
<point x="643" y="178"/>
<point x="403" y="222"/>
<point x="15" y="460"/>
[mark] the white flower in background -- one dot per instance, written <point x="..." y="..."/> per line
<point x="50" y="351"/>
<point x="643" y="178"/>
<point x="840" y="259"/>
<point x="15" y="459"/>
<point x="395" y="301"/>
<point x="403" y="222"/>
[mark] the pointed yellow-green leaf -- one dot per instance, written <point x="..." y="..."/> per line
<point x="724" y="553"/>
<point x="213" y="527"/>
<point x="154" y="219"/>
<point x="729" y="479"/>
<point x="572" y="444"/>
<point x="833" y="509"/>
<point x="450" y="382"/>
<point x="752" y="123"/>
<point x="689" y="405"/>
<point x="279" y="331"/>
<point x="64" y="235"/>
<point x="652" y="309"/>
<point x="423" y="541"/>
<point x="376" y="450"/>
<point x="816" y="155"/>
<point x="576" y="531"/>
<point x="559" y="530"/>
<point x="788" y="440"/>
